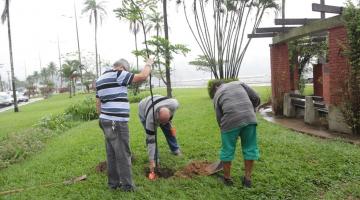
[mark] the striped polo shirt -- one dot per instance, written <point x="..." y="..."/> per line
<point x="111" y="89"/>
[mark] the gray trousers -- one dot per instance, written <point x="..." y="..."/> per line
<point x="118" y="153"/>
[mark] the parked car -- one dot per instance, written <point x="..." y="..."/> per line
<point x="5" y="100"/>
<point x="22" y="98"/>
<point x="19" y="97"/>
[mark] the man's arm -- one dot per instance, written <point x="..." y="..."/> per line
<point x="218" y="110"/>
<point x="253" y="96"/>
<point x="98" y="103"/>
<point x="144" y="74"/>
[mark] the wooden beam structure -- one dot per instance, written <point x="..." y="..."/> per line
<point x="261" y="35"/>
<point x="314" y="27"/>
<point x="295" y="21"/>
<point x="274" y="29"/>
<point x="322" y="14"/>
<point x="326" y="8"/>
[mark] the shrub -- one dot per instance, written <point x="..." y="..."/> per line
<point x="351" y="95"/>
<point x="84" y="110"/>
<point x="19" y="146"/>
<point x="212" y="84"/>
<point x="138" y="97"/>
<point x="60" y="122"/>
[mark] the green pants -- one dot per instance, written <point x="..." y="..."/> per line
<point x="248" y="143"/>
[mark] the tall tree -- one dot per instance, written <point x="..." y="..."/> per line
<point x="44" y="75"/>
<point x="167" y="52"/>
<point x="97" y="11"/>
<point x="156" y="23"/>
<point x="221" y="33"/>
<point x="5" y="16"/>
<point x="69" y="71"/>
<point x="135" y="28"/>
<point x="52" y="70"/>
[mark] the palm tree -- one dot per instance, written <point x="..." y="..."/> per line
<point x="156" y="20"/>
<point x="96" y="10"/>
<point x="68" y="71"/>
<point x="135" y="28"/>
<point x="44" y="75"/>
<point x="52" y="70"/>
<point x="36" y="77"/>
<point x="5" y="16"/>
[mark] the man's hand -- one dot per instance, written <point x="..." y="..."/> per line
<point x="142" y="76"/>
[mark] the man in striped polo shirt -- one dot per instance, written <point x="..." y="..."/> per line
<point x="164" y="109"/>
<point x="113" y="106"/>
<point x="235" y="104"/>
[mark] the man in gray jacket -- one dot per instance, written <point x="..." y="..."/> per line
<point x="235" y="104"/>
<point x="164" y="109"/>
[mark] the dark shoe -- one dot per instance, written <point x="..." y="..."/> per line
<point x="114" y="187"/>
<point x="245" y="182"/>
<point x="128" y="188"/>
<point x="177" y="153"/>
<point x="226" y="181"/>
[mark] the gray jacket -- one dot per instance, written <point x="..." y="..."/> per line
<point x="144" y="105"/>
<point x="234" y="104"/>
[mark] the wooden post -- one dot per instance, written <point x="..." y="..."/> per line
<point x="322" y="14"/>
<point x="283" y="12"/>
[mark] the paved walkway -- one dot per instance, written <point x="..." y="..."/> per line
<point x="300" y="126"/>
<point x="20" y="104"/>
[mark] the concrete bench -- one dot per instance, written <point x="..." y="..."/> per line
<point x="310" y="107"/>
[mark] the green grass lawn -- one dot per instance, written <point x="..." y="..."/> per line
<point x="292" y="165"/>
<point x="30" y="114"/>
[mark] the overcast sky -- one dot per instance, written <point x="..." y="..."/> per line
<point x="37" y="25"/>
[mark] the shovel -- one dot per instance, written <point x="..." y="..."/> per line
<point x="214" y="167"/>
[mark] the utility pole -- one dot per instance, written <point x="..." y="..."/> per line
<point x="9" y="81"/>
<point x="61" y="78"/>
<point x="1" y="83"/>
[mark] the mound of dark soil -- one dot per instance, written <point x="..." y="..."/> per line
<point x="194" y="168"/>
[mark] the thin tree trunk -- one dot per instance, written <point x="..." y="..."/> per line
<point x="157" y="56"/>
<point x="78" y="45"/>
<point x="16" y="109"/>
<point x="96" y="51"/>
<point x="167" y="56"/>
<point x="73" y="85"/>
<point x="70" y="87"/>
<point x="61" y="76"/>
<point x="136" y="48"/>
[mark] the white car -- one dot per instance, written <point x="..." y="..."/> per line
<point x="5" y="100"/>
<point x="22" y="98"/>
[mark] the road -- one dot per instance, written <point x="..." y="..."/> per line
<point x="3" y="109"/>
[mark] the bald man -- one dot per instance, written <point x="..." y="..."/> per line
<point x="164" y="111"/>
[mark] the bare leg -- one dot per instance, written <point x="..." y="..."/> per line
<point x="227" y="169"/>
<point x="248" y="168"/>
